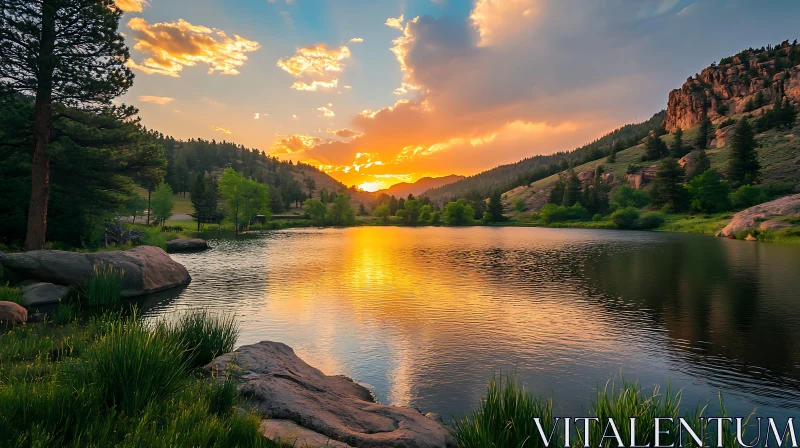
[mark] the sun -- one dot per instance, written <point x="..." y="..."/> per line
<point x="371" y="186"/>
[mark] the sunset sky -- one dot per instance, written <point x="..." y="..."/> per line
<point x="377" y="92"/>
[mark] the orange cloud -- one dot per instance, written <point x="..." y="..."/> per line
<point x="156" y="99"/>
<point x="326" y="112"/>
<point x="294" y="144"/>
<point x="315" y="66"/>
<point x="344" y="133"/>
<point x="175" y="45"/>
<point x="131" y="5"/>
<point x="217" y="128"/>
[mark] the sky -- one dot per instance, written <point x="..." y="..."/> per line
<point x="377" y="92"/>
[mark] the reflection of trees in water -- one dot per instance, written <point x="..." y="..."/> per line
<point x="708" y="295"/>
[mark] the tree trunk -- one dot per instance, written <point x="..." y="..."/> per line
<point x="43" y="114"/>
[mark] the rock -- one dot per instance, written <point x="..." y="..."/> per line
<point x="586" y="176"/>
<point x="687" y="162"/>
<point x="283" y="386"/>
<point x="287" y="431"/>
<point x="635" y="180"/>
<point x="42" y="293"/>
<point x="773" y="224"/>
<point x="722" y="136"/>
<point x="186" y="245"/>
<point x="146" y="269"/>
<point x="11" y="312"/>
<point x="749" y="218"/>
<point x="750" y="237"/>
<point x="731" y="85"/>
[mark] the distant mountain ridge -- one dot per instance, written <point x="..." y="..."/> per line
<point x="403" y="189"/>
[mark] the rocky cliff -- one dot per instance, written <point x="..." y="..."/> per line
<point x="742" y="83"/>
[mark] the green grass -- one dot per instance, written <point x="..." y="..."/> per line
<point x="104" y="288"/>
<point x="505" y="417"/>
<point x="202" y="336"/>
<point x="700" y="223"/>
<point x="11" y="294"/>
<point x="113" y="382"/>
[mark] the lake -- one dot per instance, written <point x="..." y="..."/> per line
<point x="426" y="316"/>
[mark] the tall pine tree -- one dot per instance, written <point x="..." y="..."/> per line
<point x="62" y="51"/>
<point x="743" y="166"/>
<point x="703" y="132"/>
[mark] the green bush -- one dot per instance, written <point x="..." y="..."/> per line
<point x="626" y="196"/>
<point x="650" y="220"/>
<point x="748" y="196"/>
<point x="551" y="213"/>
<point x="131" y="366"/>
<point x="625" y="218"/>
<point x="709" y="193"/>
<point x="597" y="217"/>
<point x="11" y="294"/>
<point x="780" y="189"/>
<point x="104" y="287"/>
<point x="202" y="336"/>
<point x="505" y="418"/>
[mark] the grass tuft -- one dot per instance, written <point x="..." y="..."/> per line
<point x="505" y="418"/>
<point x="202" y="336"/>
<point x="104" y="288"/>
<point x="65" y="313"/>
<point x="11" y="294"/>
<point x="132" y="366"/>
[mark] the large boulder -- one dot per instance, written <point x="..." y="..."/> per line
<point x="282" y="386"/>
<point x="146" y="269"/>
<point x="42" y="293"/>
<point x="11" y="312"/>
<point x="186" y="245"/>
<point x="751" y="218"/>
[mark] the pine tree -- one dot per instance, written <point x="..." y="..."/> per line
<point x="572" y="189"/>
<point x="743" y="166"/>
<point x="495" y="209"/>
<point x="678" y="150"/>
<point x="62" y="51"/>
<point x="703" y="132"/>
<point x="198" y="198"/>
<point x="667" y="189"/>
<point x="701" y="164"/>
<point x="655" y="148"/>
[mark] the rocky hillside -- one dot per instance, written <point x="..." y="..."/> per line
<point x="403" y="189"/>
<point x="739" y="84"/>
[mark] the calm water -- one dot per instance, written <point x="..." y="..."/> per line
<point x="424" y="317"/>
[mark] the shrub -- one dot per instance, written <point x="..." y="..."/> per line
<point x="748" y="196"/>
<point x="709" y="193"/>
<point x="11" y="294"/>
<point x="597" y="217"/>
<point x="223" y="395"/>
<point x="519" y="205"/>
<point x="633" y="168"/>
<point x="505" y="418"/>
<point x="626" y="196"/>
<point x="650" y="220"/>
<point x="131" y="366"/>
<point x="202" y="336"/>
<point x="780" y="189"/>
<point x="625" y="218"/>
<point x="104" y="287"/>
<point x="551" y="213"/>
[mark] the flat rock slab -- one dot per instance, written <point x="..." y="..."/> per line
<point x="750" y="218"/>
<point x="282" y="386"/>
<point x="11" y="312"/>
<point x="187" y="245"/>
<point x="287" y="431"/>
<point x="42" y="293"/>
<point x="146" y="269"/>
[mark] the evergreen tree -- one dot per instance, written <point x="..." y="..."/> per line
<point x="743" y="166"/>
<point x="678" y="150"/>
<point x="198" y="193"/>
<point x="709" y="193"/>
<point x="596" y="196"/>
<point x="63" y="51"/>
<point x="667" y="189"/>
<point x="655" y="148"/>
<point x="495" y="209"/>
<point x="703" y="132"/>
<point x="701" y="164"/>
<point x="572" y="189"/>
<point x="557" y="192"/>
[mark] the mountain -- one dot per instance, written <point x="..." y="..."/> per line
<point x="745" y="85"/>
<point x="739" y="84"/>
<point x="531" y="169"/>
<point x="403" y="189"/>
